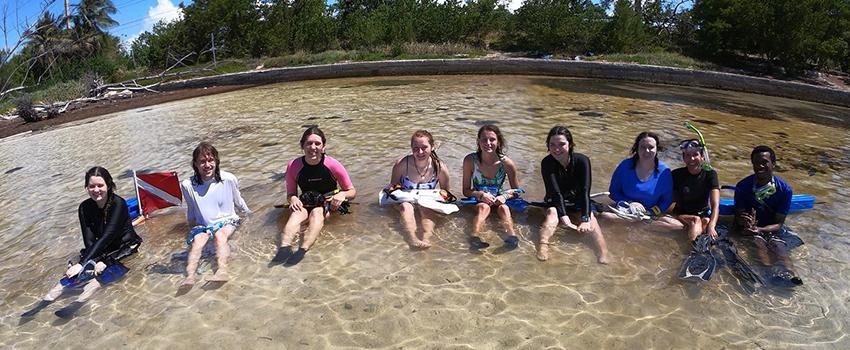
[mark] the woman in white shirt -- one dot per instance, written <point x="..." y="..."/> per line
<point x="211" y="197"/>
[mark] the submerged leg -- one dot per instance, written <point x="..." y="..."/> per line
<point x="550" y="224"/>
<point x="475" y="241"/>
<point x="293" y="225"/>
<point x="222" y="252"/>
<point x="428" y="224"/>
<point x="408" y="220"/>
<point x="511" y="241"/>
<point x="599" y="241"/>
<point x="194" y="258"/>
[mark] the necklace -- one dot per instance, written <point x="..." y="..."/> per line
<point x="424" y="171"/>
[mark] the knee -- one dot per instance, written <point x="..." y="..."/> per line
<point x="406" y="208"/>
<point x="504" y="211"/>
<point x="483" y="209"/>
<point x="220" y="238"/>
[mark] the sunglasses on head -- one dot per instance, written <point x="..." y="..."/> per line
<point x="690" y="144"/>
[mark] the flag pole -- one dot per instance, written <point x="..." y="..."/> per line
<point x="138" y="198"/>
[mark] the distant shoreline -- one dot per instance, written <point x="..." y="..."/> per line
<point x="195" y="87"/>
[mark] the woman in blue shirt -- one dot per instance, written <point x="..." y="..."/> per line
<point x="643" y="183"/>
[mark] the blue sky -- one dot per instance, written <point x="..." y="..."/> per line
<point x="133" y="16"/>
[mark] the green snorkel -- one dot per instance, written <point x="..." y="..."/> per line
<point x="707" y="163"/>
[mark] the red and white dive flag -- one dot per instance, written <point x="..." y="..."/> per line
<point x="157" y="191"/>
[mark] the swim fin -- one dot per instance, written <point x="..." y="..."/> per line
<point x="701" y="264"/>
<point x="739" y="267"/>
<point x="112" y="273"/>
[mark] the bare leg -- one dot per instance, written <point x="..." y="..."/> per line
<point x="194" y="257"/>
<point x="762" y="251"/>
<point x="550" y="223"/>
<point x="692" y="225"/>
<point x="222" y="253"/>
<point x="480" y="217"/>
<point x="781" y="254"/>
<point x="408" y="220"/>
<point x="88" y="290"/>
<point x="293" y="225"/>
<point x="54" y="292"/>
<point x="506" y="219"/>
<point x="669" y="222"/>
<point x="427" y="216"/>
<point x="316" y="222"/>
<point x="599" y="241"/>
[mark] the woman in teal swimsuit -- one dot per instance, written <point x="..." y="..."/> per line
<point x="421" y="170"/>
<point x="484" y="172"/>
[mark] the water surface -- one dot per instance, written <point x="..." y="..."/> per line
<point x="361" y="287"/>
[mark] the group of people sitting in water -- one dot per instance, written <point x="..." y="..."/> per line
<point x="317" y="186"/>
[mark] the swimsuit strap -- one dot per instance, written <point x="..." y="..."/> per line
<point x="409" y="184"/>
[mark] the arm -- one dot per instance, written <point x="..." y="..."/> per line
<point x="616" y="186"/>
<point x="190" y="202"/>
<point x="666" y="186"/>
<point x="292" y="170"/>
<point x="584" y="167"/>
<point x="396" y="173"/>
<point x="467" y="178"/>
<point x="88" y="236"/>
<point x="237" y="197"/>
<point x="117" y="217"/>
<point x="443" y="177"/>
<point x="550" y="181"/>
<point x="714" y="203"/>
<point x="780" y="214"/>
<point x="347" y="191"/>
<point x="510" y="171"/>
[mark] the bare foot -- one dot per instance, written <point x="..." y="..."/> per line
<point x="220" y="276"/>
<point x="602" y="258"/>
<point x="188" y="282"/>
<point x="543" y="251"/>
<point x="417" y="244"/>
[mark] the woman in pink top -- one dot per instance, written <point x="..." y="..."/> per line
<point x="324" y="185"/>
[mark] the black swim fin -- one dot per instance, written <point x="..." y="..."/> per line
<point x="739" y="267"/>
<point x="701" y="264"/>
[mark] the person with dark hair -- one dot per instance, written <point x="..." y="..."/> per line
<point x="108" y="237"/>
<point x="567" y="178"/>
<point x="325" y="186"/>
<point x="696" y="192"/>
<point x="484" y="173"/>
<point x="420" y="170"/>
<point x="642" y="185"/>
<point x="212" y="197"/>
<point x="762" y="201"/>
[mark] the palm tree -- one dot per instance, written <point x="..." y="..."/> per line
<point x="91" y="19"/>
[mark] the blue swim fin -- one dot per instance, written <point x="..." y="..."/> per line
<point x="112" y="273"/>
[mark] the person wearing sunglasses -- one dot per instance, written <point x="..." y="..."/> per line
<point x="696" y="192"/>
<point x="762" y="201"/>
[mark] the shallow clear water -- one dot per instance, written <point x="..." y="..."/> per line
<point x="361" y="287"/>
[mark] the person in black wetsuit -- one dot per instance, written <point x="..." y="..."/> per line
<point x="696" y="192"/>
<point x="567" y="178"/>
<point x="108" y="237"/>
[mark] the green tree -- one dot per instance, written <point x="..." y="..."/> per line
<point x="558" y="25"/>
<point x="626" y="31"/>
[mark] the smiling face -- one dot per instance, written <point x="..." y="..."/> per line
<point x="488" y="141"/>
<point x="559" y="147"/>
<point x="647" y="149"/>
<point x="693" y="158"/>
<point x="205" y="164"/>
<point x="421" y="148"/>
<point x="97" y="189"/>
<point x="763" y="166"/>
<point x="313" y="147"/>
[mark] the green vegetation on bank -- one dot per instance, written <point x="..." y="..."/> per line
<point x="788" y="37"/>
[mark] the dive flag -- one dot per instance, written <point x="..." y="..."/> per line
<point x="157" y="190"/>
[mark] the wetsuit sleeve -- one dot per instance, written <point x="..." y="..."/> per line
<point x="553" y="193"/>
<point x="616" y="186"/>
<point x="117" y="218"/>
<point x="88" y="235"/>
<point x="582" y="165"/>
<point x="339" y="173"/>
<point x="237" y="196"/>
<point x="292" y="170"/>
<point x="665" y="184"/>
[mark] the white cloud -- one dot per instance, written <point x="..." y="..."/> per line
<point x="164" y="10"/>
<point x="513" y="5"/>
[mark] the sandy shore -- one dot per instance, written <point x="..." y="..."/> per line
<point x="17" y="125"/>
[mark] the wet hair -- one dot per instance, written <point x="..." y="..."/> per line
<point x="434" y="157"/>
<point x="641" y="136"/>
<point x="561" y="130"/>
<point x="203" y="149"/>
<point x="500" y="139"/>
<point x="762" y="149"/>
<point x="313" y="130"/>
<point x="110" y="185"/>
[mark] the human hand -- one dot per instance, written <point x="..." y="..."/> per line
<point x="336" y="200"/>
<point x="585" y="227"/>
<point x="487" y="198"/>
<point x="712" y="233"/>
<point x="295" y="204"/>
<point x="500" y="200"/>
<point x="565" y="220"/>
<point x="99" y="267"/>
<point x="74" y="270"/>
